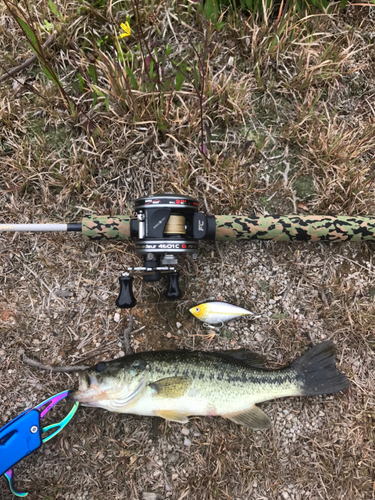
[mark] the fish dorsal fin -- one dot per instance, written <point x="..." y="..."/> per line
<point x="170" y="387"/>
<point x="173" y="415"/>
<point x="253" y="418"/>
<point x="250" y="358"/>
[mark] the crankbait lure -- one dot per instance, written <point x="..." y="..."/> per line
<point x="23" y="435"/>
<point x="218" y="312"/>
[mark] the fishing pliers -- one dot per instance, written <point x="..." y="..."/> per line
<point x="23" y="435"/>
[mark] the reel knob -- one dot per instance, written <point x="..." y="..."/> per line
<point x="173" y="291"/>
<point x="126" y="299"/>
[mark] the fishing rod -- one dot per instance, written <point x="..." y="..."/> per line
<point x="168" y="225"/>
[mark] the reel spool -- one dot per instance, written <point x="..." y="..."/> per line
<point x="166" y="225"/>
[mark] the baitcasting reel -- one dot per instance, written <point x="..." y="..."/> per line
<point x="166" y="225"/>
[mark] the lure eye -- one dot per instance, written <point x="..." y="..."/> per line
<point x="100" y="367"/>
<point x="197" y="309"/>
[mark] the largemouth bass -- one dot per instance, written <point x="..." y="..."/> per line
<point x="178" y="384"/>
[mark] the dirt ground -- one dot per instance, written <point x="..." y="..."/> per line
<point x="306" y="101"/>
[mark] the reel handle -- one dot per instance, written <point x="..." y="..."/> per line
<point x="173" y="291"/>
<point x="126" y="299"/>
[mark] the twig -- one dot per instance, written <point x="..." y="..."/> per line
<point x="202" y="179"/>
<point x="170" y="25"/>
<point x="200" y="88"/>
<point x="37" y="277"/>
<point x="55" y="369"/>
<point x="97" y="351"/>
<point x="28" y="62"/>
<point x="126" y="341"/>
<point x="155" y="427"/>
<point x="323" y="296"/>
<point x="356" y="263"/>
<point x="286" y="292"/>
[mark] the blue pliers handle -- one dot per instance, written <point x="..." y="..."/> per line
<point x="24" y="434"/>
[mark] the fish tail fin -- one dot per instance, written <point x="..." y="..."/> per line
<point x="318" y="371"/>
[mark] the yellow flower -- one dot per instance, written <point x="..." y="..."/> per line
<point x="126" y="29"/>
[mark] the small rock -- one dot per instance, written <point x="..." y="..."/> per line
<point x="185" y="431"/>
<point x="187" y="442"/>
<point x="178" y="324"/>
<point x="259" y="337"/>
<point x="150" y="496"/>
<point x="173" y="458"/>
<point x="116" y="317"/>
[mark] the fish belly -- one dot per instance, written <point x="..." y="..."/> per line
<point x="216" y="399"/>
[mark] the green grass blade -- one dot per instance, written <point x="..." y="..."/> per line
<point x="33" y="41"/>
<point x="180" y="77"/>
<point x="35" y="46"/>
<point x="133" y="80"/>
<point x="54" y="8"/>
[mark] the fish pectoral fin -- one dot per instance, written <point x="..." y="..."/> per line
<point x="173" y="415"/>
<point x="253" y="418"/>
<point x="171" y="387"/>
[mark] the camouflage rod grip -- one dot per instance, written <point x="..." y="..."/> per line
<point x="106" y="228"/>
<point x="295" y="228"/>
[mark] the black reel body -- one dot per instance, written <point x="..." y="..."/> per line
<point x="166" y="225"/>
<point x="170" y="224"/>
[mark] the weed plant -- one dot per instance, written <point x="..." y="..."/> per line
<point x="256" y="97"/>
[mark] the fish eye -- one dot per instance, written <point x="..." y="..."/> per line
<point x="100" y="367"/>
<point x="197" y="309"/>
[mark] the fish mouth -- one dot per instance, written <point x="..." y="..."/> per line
<point x="89" y="391"/>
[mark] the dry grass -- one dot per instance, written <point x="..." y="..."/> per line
<point x="288" y="127"/>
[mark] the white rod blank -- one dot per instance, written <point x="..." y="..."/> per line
<point x="33" y="227"/>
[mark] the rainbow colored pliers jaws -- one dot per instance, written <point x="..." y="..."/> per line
<point x="23" y="435"/>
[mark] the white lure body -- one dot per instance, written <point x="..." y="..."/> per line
<point x="217" y="312"/>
